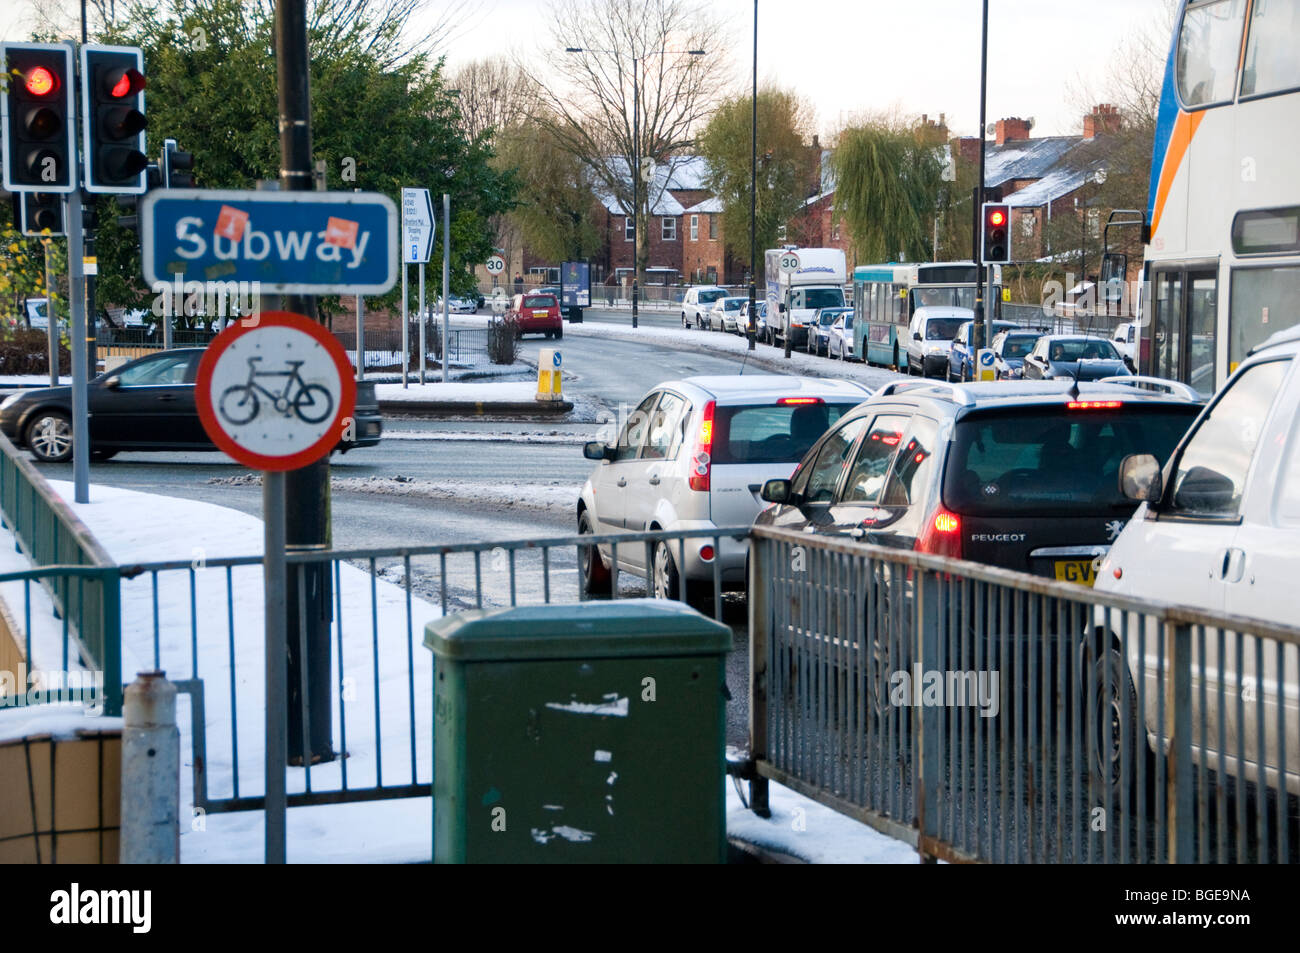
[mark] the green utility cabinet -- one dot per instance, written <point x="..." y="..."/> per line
<point x="583" y="733"/>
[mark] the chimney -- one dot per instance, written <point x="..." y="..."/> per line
<point x="816" y="144"/>
<point x="1104" y="119"/>
<point x="967" y="148"/>
<point x="1012" y="129"/>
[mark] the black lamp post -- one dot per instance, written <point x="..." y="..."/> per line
<point x="636" y="158"/>
<point x="753" y="190"/>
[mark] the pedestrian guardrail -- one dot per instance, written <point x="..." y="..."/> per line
<point x="982" y="714"/>
<point x="49" y="533"/>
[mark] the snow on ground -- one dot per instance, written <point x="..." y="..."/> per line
<point x="763" y="357"/>
<point x="803" y="829"/>
<point x="30" y="380"/>
<point x="138" y="527"/>
<point x="555" y="496"/>
<point x="460" y="393"/>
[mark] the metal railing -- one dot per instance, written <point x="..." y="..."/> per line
<point x="381" y="719"/>
<point x="983" y="714"/>
<point x="49" y="533"/>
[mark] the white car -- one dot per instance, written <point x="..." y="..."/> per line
<point x="694" y="455"/>
<point x="929" y="339"/>
<point x="1219" y="530"/>
<point x="725" y="314"/>
<point x="1125" y="341"/>
<point x="697" y="302"/>
<point x="457" y="305"/>
<point x="840" y="344"/>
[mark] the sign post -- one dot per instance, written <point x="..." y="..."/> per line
<point x="275" y="414"/>
<point x="417" y="246"/>
<point x="789" y="264"/>
<point x="446" y="278"/>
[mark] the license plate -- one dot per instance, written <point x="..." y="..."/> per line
<point x="1081" y="571"/>
<point x="540" y="314"/>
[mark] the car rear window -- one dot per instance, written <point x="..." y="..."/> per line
<point x="772" y="433"/>
<point x="1054" y="460"/>
<point x="539" y="301"/>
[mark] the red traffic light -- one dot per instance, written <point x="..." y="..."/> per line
<point x="40" y="81"/>
<point x="123" y="82"/>
<point x="997" y="217"/>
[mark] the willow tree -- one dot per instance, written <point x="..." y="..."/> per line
<point x="888" y="179"/>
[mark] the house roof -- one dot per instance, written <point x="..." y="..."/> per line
<point x="1025" y="158"/>
<point x="681" y="173"/>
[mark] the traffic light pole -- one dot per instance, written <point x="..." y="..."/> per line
<point x="77" y="313"/>
<point x="307" y="521"/>
<point x="983" y="326"/>
<point x="90" y="223"/>
<point x="52" y="322"/>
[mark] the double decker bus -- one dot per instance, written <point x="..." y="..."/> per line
<point x="884" y="297"/>
<point x="1223" y="262"/>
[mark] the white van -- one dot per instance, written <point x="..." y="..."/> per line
<point x="794" y="298"/>
<point x="1219" y="530"/>
<point x="929" y="339"/>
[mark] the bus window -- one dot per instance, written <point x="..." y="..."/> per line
<point x="1262" y="301"/>
<point x="1202" y="311"/>
<point x="1271" y="63"/>
<point x="1168" y="324"/>
<point x="1208" y="45"/>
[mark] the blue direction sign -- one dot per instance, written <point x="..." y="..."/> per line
<point x="289" y="242"/>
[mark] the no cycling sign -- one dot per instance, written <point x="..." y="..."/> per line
<point x="275" y="392"/>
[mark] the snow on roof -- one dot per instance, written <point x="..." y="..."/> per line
<point x="1025" y="158"/>
<point x="678" y="173"/>
<point x="710" y="205"/>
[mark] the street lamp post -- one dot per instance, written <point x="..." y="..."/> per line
<point x="753" y="189"/>
<point x="636" y="157"/>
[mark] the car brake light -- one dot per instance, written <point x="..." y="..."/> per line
<point x="941" y="535"/>
<point x="801" y="400"/>
<point x="1094" y="404"/>
<point x="706" y="553"/>
<point x="701" y="459"/>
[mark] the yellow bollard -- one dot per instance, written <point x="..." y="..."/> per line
<point x="549" y="376"/>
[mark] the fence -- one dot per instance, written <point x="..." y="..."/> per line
<point x="981" y="714"/>
<point x="80" y="578"/>
<point x="203" y="626"/>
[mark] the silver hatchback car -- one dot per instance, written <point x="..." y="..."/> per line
<point x="694" y="454"/>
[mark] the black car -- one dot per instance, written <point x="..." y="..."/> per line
<point x="147" y="404"/>
<point x="1019" y="475"/>
<point x="1074" y="357"/>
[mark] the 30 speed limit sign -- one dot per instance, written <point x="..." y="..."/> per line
<point x="789" y="262"/>
<point x="496" y="265"/>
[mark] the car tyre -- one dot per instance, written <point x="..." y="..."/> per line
<point x="49" y="436"/>
<point x="594" y="577"/>
<point x="559" y="334"/>
<point x="1109" y="746"/>
<point x="99" y="456"/>
<point x="667" y="581"/>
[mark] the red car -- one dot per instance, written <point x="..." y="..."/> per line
<point x="537" y="314"/>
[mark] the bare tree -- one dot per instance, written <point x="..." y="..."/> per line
<point x="495" y="95"/>
<point x="591" y="101"/>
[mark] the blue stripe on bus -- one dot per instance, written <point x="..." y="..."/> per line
<point x="1165" y="119"/>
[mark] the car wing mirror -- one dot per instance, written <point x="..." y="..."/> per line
<point x="916" y="335"/>
<point x="113" y="381"/>
<point x="1140" y="478"/>
<point x="775" y="491"/>
<point x="595" y="450"/>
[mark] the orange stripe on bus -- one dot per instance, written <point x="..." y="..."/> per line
<point x="1184" y="129"/>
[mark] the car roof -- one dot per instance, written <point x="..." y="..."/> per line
<point x="999" y="394"/>
<point x="1289" y="335"/>
<point x="742" y="388"/>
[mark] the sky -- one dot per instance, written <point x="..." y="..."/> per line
<point x="917" y="56"/>
<point x="853" y="56"/>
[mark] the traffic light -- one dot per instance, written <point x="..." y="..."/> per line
<point x="996" y="247"/>
<point x="112" y="110"/>
<point x="175" y="166"/>
<point x="39" y="142"/>
<point x="41" y="213"/>
<point x="130" y="203"/>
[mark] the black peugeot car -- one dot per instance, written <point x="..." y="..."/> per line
<point x="1014" y="474"/>
<point x="147" y="404"/>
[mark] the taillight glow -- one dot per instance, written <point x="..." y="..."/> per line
<point x="941" y="535"/>
<point x="945" y="522"/>
<point x="706" y="553"/>
<point x="39" y="81"/>
<point x="701" y="459"/>
<point x="800" y="400"/>
<point x="1094" y="404"/>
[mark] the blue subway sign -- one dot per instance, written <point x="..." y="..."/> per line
<point x="285" y="242"/>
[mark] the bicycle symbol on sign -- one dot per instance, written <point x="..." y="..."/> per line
<point x="312" y="403"/>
